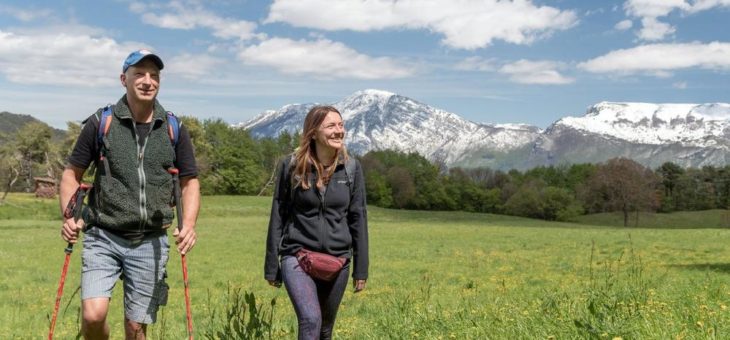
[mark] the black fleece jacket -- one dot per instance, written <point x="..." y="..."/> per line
<point x="334" y="222"/>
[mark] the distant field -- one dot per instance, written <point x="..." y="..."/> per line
<point x="434" y="275"/>
<point x="679" y="220"/>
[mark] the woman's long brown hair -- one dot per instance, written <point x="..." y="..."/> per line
<point x="306" y="153"/>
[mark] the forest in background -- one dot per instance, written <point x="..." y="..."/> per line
<point x="231" y="162"/>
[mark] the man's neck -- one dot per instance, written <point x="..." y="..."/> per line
<point x="142" y="112"/>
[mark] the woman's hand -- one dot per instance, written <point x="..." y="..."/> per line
<point x="358" y="285"/>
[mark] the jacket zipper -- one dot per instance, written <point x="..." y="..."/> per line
<point x="322" y="224"/>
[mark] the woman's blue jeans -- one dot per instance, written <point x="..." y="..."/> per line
<point x="315" y="302"/>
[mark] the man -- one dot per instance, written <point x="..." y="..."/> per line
<point x="129" y="208"/>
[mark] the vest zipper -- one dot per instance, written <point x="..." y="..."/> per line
<point x="142" y="178"/>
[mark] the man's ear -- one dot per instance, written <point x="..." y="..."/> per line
<point x="123" y="79"/>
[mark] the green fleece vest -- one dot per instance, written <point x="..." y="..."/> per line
<point x="136" y="195"/>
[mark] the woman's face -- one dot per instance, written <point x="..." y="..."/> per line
<point x="331" y="133"/>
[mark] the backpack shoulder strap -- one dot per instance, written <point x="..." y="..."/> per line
<point x="105" y="121"/>
<point x="289" y="164"/>
<point x="173" y="128"/>
<point x="350" y="172"/>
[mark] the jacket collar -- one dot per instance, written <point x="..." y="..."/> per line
<point x="121" y="110"/>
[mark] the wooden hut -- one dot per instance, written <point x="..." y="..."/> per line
<point x="45" y="187"/>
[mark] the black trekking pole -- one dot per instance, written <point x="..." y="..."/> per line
<point x="178" y="209"/>
<point x="74" y="208"/>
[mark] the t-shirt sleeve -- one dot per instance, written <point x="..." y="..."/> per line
<point x="185" y="154"/>
<point x="85" y="150"/>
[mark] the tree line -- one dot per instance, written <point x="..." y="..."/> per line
<point x="232" y="162"/>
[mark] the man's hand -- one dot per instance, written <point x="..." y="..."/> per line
<point x="70" y="230"/>
<point x="185" y="239"/>
<point x="359" y="285"/>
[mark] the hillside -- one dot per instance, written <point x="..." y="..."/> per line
<point x="12" y="122"/>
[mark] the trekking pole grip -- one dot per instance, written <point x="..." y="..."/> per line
<point x="77" y="203"/>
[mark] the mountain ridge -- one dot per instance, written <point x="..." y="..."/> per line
<point x="689" y="134"/>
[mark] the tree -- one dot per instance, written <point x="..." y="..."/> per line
<point x="669" y="174"/>
<point x="33" y="145"/>
<point x="469" y="194"/>
<point x="537" y="200"/>
<point x="377" y="189"/>
<point x="559" y="204"/>
<point x="235" y="161"/>
<point x="403" y="187"/>
<point x="622" y="185"/>
<point x="526" y="201"/>
<point x="10" y="160"/>
<point x="273" y="151"/>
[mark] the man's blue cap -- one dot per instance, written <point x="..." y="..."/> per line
<point x="137" y="56"/>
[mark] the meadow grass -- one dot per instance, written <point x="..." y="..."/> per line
<point x="716" y="218"/>
<point x="433" y="275"/>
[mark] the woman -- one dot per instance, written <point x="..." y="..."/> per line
<point x="319" y="206"/>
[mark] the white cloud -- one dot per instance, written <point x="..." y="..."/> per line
<point x="190" y="15"/>
<point x="25" y="14"/>
<point x="651" y="10"/>
<point x="624" y="25"/>
<point x="653" y="30"/>
<point x="476" y="64"/>
<point x="703" y="5"/>
<point x="541" y="72"/>
<point x="192" y="66"/>
<point x="59" y="58"/>
<point x="661" y="59"/>
<point x="680" y="85"/>
<point x="465" y="24"/>
<point x="321" y="58"/>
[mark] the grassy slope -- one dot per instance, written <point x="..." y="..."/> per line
<point x="433" y="274"/>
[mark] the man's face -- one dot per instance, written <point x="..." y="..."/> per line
<point x="142" y="81"/>
<point x="331" y="133"/>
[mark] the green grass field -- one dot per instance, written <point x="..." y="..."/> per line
<point x="434" y="275"/>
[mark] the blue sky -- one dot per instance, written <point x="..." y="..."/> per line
<point x="487" y="61"/>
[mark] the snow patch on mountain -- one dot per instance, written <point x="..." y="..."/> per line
<point x="645" y="123"/>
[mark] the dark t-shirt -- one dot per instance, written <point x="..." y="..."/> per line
<point x="87" y="150"/>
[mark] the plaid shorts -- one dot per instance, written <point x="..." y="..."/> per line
<point x="106" y="256"/>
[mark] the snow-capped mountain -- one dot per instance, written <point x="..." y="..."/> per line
<point x="687" y="134"/>
<point x="702" y="125"/>
<point x="379" y="120"/>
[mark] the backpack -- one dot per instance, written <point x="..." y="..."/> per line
<point x="105" y="122"/>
